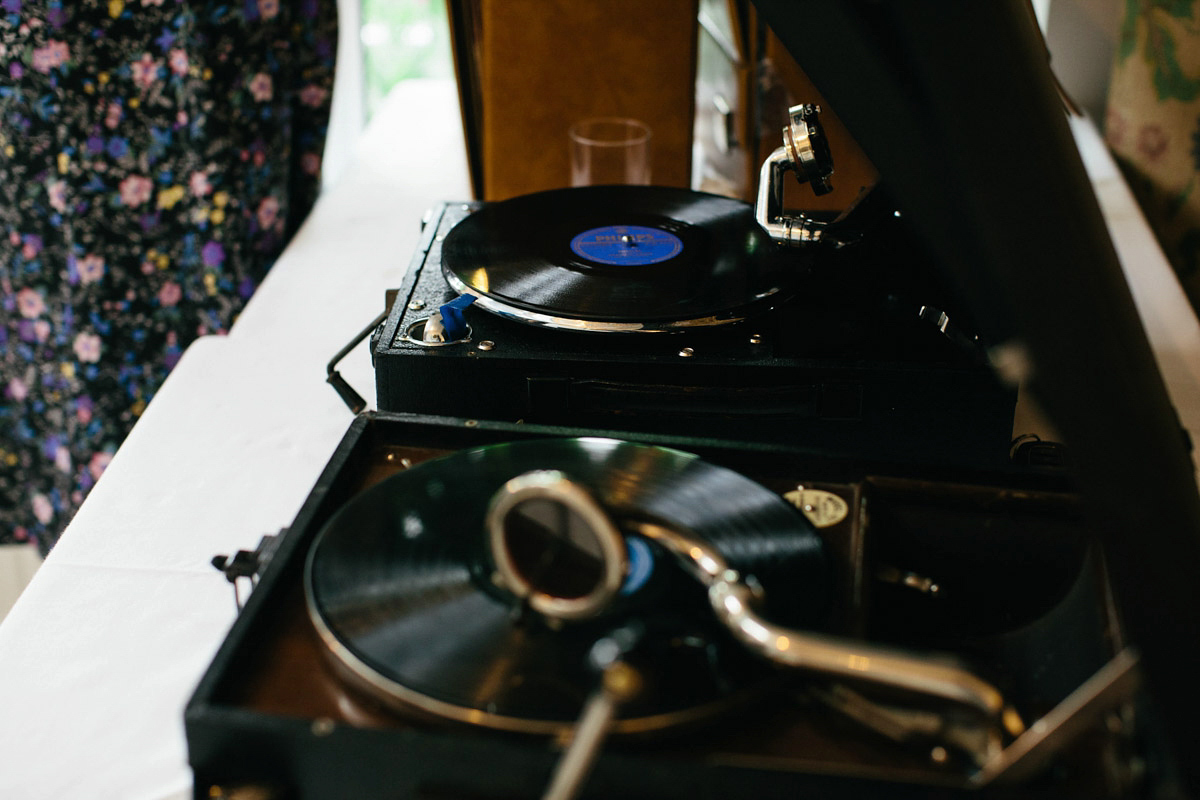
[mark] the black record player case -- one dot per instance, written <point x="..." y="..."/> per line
<point x="272" y="720"/>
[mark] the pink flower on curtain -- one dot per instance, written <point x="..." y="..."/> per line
<point x="145" y="71"/>
<point x="30" y="303"/>
<point x="170" y="294"/>
<point x="135" y="190"/>
<point x="99" y="463"/>
<point x="268" y="213"/>
<point x="87" y="348"/>
<point x="261" y="87"/>
<point x="1152" y="141"/>
<point x="91" y="268"/>
<point x="178" y="61"/>
<point x="42" y="509"/>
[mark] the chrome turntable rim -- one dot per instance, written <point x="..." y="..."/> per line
<point x="542" y="320"/>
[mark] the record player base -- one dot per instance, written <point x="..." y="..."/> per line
<point x="271" y="720"/>
<point x="838" y="365"/>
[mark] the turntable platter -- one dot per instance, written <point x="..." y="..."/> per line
<point x="623" y="258"/>
<point x="401" y="587"/>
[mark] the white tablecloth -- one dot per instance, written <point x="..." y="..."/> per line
<point x="100" y="654"/>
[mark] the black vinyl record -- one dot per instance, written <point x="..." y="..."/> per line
<point x="637" y="257"/>
<point x="401" y="587"/>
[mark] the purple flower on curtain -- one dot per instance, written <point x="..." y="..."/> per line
<point x="212" y="254"/>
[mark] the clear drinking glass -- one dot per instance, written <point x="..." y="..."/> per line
<point x="607" y="150"/>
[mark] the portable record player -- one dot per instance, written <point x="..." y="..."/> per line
<point x="472" y="608"/>
<point x="657" y="309"/>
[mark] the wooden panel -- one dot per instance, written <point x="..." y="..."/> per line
<point x="544" y="64"/>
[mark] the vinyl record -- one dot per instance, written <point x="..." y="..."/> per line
<point x="401" y="586"/>
<point x="617" y="258"/>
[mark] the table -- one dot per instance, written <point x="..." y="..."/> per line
<point x="102" y="651"/>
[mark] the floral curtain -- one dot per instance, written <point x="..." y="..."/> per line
<point x="1152" y="124"/>
<point x="155" y="157"/>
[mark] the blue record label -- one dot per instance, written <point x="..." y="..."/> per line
<point x="627" y="245"/>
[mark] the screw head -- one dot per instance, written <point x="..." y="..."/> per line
<point x="687" y="352"/>
<point x="416" y="305"/>
<point x="486" y="344"/>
